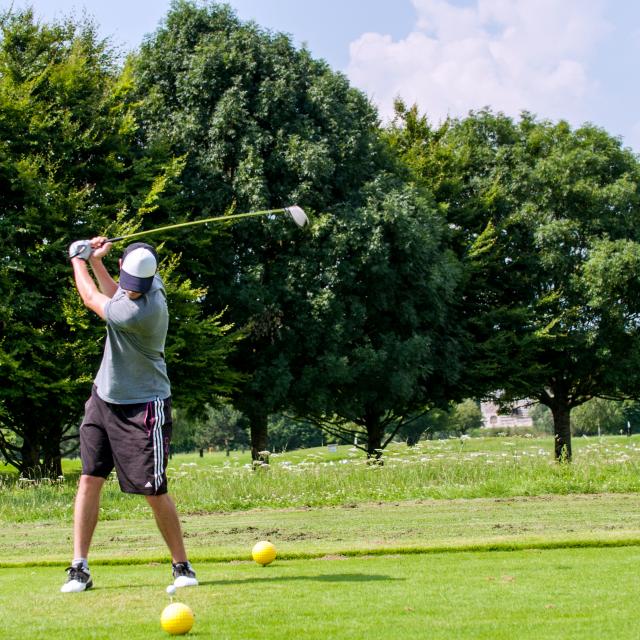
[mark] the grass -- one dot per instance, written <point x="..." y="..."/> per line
<point x="526" y="594"/>
<point x="481" y="538"/>
<point x="443" y="470"/>
<point x="402" y="527"/>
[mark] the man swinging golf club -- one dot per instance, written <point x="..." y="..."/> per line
<point x="127" y="421"/>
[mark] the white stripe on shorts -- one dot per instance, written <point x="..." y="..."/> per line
<point x="158" y="451"/>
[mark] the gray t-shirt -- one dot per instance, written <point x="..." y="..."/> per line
<point x="133" y="369"/>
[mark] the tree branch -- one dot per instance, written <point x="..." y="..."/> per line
<point x="7" y="449"/>
<point x="334" y="429"/>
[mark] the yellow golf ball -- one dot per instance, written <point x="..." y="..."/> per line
<point x="177" y="619"/>
<point x="264" y="553"/>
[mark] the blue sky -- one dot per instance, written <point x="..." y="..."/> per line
<point x="571" y="59"/>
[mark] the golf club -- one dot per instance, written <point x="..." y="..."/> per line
<point x="295" y="212"/>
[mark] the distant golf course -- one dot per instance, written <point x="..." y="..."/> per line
<point x="471" y="538"/>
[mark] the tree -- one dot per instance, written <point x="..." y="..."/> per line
<point x="220" y="426"/>
<point x="538" y="212"/>
<point x="598" y="416"/>
<point x="260" y="124"/>
<point x="465" y="416"/>
<point x="381" y="334"/>
<point x="432" y="424"/>
<point x="225" y="428"/>
<point x="58" y="88"/>
<point x="542" y="418"/>
<point x="286" y="434"/>
<point x="632" y="416"/>
<point x="70" y="158"/>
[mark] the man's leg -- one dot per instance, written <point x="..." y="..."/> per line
<point x="168" y="522"/>
<point x="166" y="515"/>
<point x="85" y="516"/>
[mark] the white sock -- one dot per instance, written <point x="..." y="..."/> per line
<point x="85" y="564"/>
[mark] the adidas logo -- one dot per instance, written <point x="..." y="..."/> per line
<point x="146" y="486"/>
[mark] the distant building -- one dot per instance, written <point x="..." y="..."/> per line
<point x="518" y="416"/>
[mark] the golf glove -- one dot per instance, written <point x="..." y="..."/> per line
<point x="80" y="249"/>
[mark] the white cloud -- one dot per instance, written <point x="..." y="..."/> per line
<point x="508" y="54"/>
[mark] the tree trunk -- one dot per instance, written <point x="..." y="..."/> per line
<point x="562" y="429"/>
<point x="40" y="462"/>
<point x="259" y="437"/>
<point x="51" y="466"/>
<point x="374" y="438"/>
<point x="30" y="460"/>
<point x="412" y="440"/>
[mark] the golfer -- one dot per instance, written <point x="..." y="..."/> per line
<point x="127" y="421"/>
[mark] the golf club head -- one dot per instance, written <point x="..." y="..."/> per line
<point x="297" y="215"/>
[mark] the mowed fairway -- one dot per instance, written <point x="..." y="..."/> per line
<point x="562" y="593"/>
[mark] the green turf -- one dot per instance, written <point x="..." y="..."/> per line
<point x="372" y="527"/>
<point x="568" y="593"/>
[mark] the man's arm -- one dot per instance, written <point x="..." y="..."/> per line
<point x="91" y="297"/>
<point x="107" y="284"/>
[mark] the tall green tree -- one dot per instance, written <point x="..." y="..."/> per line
<point x="261" y="124"/>
<point x="382" y="343"/>
<point x="56" y="139"/>
<point x="547" y="221"/>
<point x="70" y="160"/>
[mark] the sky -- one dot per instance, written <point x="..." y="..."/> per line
<point x="559" y="59"/>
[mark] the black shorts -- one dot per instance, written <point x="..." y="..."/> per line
<point x="132" y="437"/>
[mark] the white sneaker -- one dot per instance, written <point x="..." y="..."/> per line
<point x="184" y="575"/>
<point x="79" y="579"/>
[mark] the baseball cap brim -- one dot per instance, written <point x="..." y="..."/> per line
<point x="130" y="282"/>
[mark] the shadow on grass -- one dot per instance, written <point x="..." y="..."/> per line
<point x="340" y="577"/>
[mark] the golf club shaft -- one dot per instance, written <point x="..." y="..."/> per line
<point x="170" y="227"/>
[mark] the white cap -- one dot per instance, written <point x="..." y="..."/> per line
<point x="139" y="265"/>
